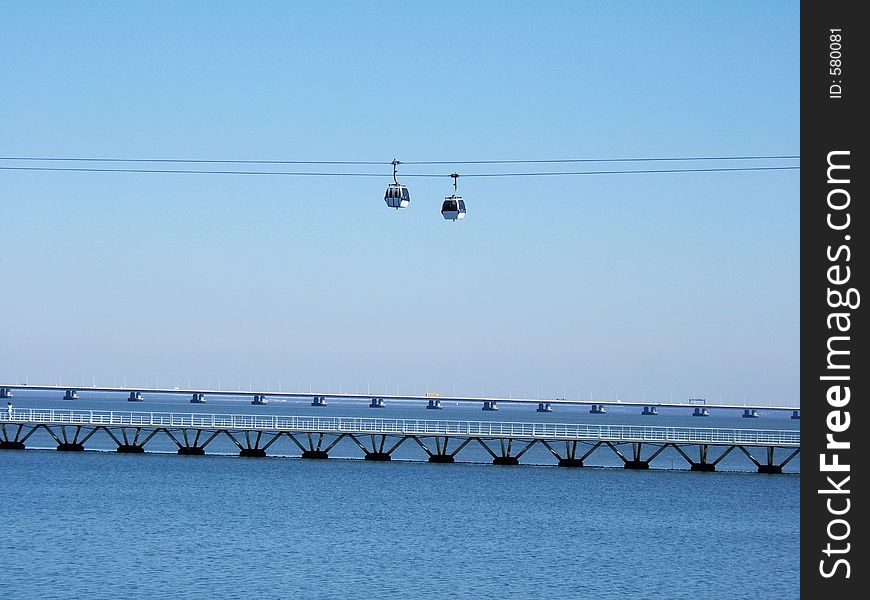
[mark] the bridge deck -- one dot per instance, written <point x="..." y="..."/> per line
<point x="407" y="427"/>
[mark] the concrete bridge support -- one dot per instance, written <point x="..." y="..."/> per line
<point x="252" y="447"/>
<point x="315" y="450"/>
<point x="440" y="454"/>
<point x="636" y="461"/>
<point x="770" y="467"/>
<point x="703" y="464"/>
<point x="570" y="458"/>
<point x="505" y="457"/>
<point x="74" y="442"/>
<point x="14" y="437"/>
<point x="378" y="444"/>
<point x="189" y="445"/>
<point x="130" y="440"/>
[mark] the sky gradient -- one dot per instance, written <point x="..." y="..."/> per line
<point x="636" y="286"/>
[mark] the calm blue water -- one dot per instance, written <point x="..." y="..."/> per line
<point x="99" y="524"/>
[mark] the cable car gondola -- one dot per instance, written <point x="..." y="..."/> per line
<point x="453" y="207"/>
<point x="397" y="195"/>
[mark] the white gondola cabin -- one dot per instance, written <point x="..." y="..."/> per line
<point x="453" y="207"/>
<point x="397" y="195"/>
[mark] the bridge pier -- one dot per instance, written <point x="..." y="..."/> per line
<point x="259" y="400"/>
<point x="130" y="449"/>
<point x="441" y="454"/>
<point x="770" y="467"/>
<point x="318" y="401"/>
<point x="434" y="404"/>
<point x="703" y="465"/>
<point x="130" y="444"/>
<point x="377" y="403"/>
<point x="71" y="447"/>
<point x="569" y="459"/>
<point x="504" y="457"/>
<point x="191" y="451"/>
<point x="378" y="451"/>
<point x="187" y="446"/>
<point x="251" y="449"/>
<point x="71" y="395"/>
<point x="252" y="452"/>
<point x="544" y="407"/>
<point x="490" y="405"/>
<point x="378" y="456"/>
<point x="66" y="443"/>
<point x="636" y="462"/>
<point x="315" y="451"/>
<point x="14" y="442"/>
<point x="197" y="399"/>
<point x="135" y="397"/>
<point x="315" y="454"/>
<point x="597" y="409"/>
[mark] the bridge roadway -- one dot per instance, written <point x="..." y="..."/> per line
<point x="316" y="436"/>
<point x="377" y="400"/>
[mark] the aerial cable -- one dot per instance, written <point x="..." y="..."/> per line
<point x="434" y="175"/>
<point x="594" y="160"/>
<point x="422" y="162"/>
<point x="630" y="171"/>
<point x="194" y="161"/>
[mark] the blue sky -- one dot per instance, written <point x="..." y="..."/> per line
<point x="656" y="285"/>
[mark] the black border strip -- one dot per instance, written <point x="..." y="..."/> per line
<point x="833" y="271"/>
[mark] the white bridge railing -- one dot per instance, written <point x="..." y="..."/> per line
<point x="423" y="427"/>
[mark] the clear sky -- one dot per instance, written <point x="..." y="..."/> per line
<point x="655" y="286"/>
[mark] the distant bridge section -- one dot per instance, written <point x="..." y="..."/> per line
<point x="698" y="406"/>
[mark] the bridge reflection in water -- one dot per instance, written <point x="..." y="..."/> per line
<point x="377" y="439"/>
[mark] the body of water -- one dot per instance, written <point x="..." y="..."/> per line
<point x="100" y="524"/>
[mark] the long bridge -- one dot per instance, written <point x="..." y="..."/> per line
<point x="699" y="406"/>
<point x="377" y="439"/>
